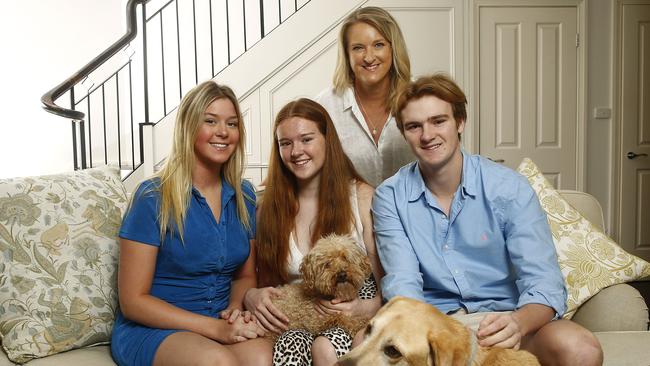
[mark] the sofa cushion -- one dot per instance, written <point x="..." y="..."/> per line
<point x="59" y="257"/>
<point x="589" y="259"/>
<point x="89" y="356"/>
<point x="615" y="308"/>
<point x="624" y="348"/>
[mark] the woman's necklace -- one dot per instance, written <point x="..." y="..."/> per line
<point x="370" y="123"/>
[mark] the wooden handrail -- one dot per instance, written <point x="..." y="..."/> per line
<point x="131" y="31"/>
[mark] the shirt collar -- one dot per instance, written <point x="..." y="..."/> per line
<point x="416" y="182"/>
<point x="348" y="98"/>
<point x="227" y="192"/>
<point x="467" y="180"/>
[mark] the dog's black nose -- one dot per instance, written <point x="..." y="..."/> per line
<point x="341" y="276"/>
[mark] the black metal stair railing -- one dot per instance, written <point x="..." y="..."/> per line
<point x="145" y="75"/>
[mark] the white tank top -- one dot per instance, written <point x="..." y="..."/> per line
<point x="356" y="231"/>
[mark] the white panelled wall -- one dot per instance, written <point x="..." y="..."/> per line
<point x="439" y="38"/>
<point x="297" y="59"/>
<point x="44" y="42"/>
<point x="266" y="78"/>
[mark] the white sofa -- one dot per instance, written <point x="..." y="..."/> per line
<point x="618" y="315"/>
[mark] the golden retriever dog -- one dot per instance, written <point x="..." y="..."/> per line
<point x="410" y="332"/>
<point x="334" y="268"/>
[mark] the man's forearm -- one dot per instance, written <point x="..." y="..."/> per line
<point x="531" y="317"/>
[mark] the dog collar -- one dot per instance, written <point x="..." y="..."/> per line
<point x="473" y="345"/>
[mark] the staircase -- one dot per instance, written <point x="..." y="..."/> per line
<point x="122" y="103"/>
<point x="288" y="52"/>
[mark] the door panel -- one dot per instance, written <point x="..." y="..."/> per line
<point x="634" y="210"/>
<point x="528" y="88"/>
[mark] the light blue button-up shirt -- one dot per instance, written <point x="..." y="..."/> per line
<point x="494" y="252"/>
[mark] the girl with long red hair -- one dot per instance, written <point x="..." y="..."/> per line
<point x="312" y="190"/>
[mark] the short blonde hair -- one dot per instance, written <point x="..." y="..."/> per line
<point x="386" y="25"/>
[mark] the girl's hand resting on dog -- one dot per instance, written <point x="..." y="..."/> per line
<point x="239" y="330"/>
<point x="335" y="306"/>
<point x="258" y="301"/>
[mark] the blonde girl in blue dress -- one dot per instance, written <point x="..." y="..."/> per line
<point x="187" y="248"/>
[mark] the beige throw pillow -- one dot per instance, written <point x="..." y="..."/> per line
<point x="589" y="259"/>
<point x="58" y="261"/>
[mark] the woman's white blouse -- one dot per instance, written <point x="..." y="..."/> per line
<point x="375" y="163"/>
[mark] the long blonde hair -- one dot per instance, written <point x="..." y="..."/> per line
<point x="176" y="175"/>
<point x="386" y="25"/>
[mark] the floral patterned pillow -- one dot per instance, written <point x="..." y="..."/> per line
<point x="58" y="245"/>
<point x="589" y="259"/>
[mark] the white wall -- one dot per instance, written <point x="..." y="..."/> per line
<point x="40" y="56"/>
<point x="43" y="42"/>
<point x="600" y="132"/>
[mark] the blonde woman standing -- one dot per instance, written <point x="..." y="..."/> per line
<point x="372" y="66"/>
<point x="187" y="248"/>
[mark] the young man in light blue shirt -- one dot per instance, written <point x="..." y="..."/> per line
<point x="469" y="236"/>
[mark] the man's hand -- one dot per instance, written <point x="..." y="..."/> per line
<point x="500" y="330"/>
<point x="506" y="330"/>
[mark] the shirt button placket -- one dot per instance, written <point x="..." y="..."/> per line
<point x="443" y="226"/>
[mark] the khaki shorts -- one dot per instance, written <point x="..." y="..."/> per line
<point x="472" y="320"/>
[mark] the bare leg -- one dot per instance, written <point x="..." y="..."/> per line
<point x="563" y="342"/>
<point x="187" y="348"/>
<point x="323" y="352"/>
<point x="358" y="338"/>
<point x="254" y="352"/>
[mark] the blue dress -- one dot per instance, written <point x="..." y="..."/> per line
<point x="195" y="275"/>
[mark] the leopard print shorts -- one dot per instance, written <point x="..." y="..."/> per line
<point x="293" y="348"/>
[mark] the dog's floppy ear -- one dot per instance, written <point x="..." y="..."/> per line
<point x="365" y="265"/>
<point x="359" y="258"/>
<point x="307" y="269"/>
<point x="445" y="349"/>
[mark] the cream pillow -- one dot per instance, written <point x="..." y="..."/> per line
<point x="589" y="259"/>
<point x="59" y="259"/>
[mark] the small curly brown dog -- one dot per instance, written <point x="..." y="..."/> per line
<point x="334" y="268"/>
<point x="410" y="332"/>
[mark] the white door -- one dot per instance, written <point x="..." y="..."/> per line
<point x="634" y="210"/>
<point x="528" y="88"/>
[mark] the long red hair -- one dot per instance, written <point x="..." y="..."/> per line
<point x="279" y="206"/>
